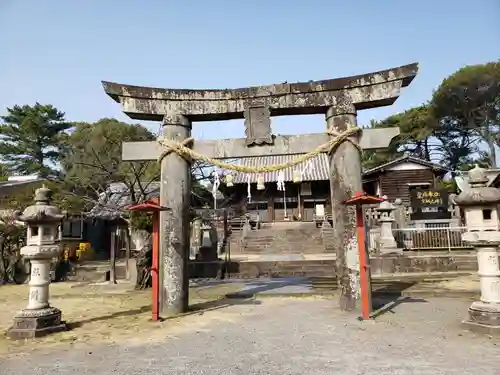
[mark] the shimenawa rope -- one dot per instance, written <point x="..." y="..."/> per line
<point x="182" y="149"/>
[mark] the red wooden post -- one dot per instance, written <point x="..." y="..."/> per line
<point x="154" y="208"/>
<point x="155" y="265"/>
<point x="364" y="262"/>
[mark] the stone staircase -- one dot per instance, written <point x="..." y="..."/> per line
<point x="327" y="237"/>
<point x="284" y="238"/>
<point x="301" y="249"/>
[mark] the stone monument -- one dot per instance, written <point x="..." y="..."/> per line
<point x="338" y="99"/>
<point x="42" y="221"/>
<point x="386" y="242"/>
<point x="479" y="203"/>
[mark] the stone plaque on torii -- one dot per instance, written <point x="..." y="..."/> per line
<point x="339" y="99"/>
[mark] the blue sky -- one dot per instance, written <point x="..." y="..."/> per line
<point x="57" y="52"/>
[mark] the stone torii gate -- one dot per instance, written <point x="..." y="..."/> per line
<point x="339" y="99"/>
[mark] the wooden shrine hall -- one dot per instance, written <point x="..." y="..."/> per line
<point x="306" y="189"/>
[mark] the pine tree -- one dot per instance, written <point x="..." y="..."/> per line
<point x="31" y="138"/>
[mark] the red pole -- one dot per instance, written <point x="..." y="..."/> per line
<point x="364" y="273"/>
<point x="155" y="265"/>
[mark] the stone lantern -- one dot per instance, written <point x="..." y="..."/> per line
<point x="386" y="241"/>
<point x="42" y="221"/>
<point x="479" y="203"/>
<point x="208" y="248"/>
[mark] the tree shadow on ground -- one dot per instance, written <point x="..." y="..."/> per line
<point x="267" y="285"/>
<point x="386" y="297"/>
<point x="118" y="314"/>
<point x="202" y="307"/>
<point x="196" y="308"/>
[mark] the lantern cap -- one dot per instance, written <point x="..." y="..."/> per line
<point x="385" y="206"/>
<point x="147" y="206"/>
<point x="478" y="193"/>
<point x="477" y="177"/>
<point x="360" y="198"/>
<point x="42" y="210"/>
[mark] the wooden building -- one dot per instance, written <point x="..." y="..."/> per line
<point x="296" y="202"/>
<point x="398" y="178"/>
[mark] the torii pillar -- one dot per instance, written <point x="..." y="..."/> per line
<point x="175" y="193"/>
<point x="339" y="98"/>
<point x="345" y="181"/>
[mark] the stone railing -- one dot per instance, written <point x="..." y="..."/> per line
<point x="423" y="238"/>
<point x="401" y="214"/>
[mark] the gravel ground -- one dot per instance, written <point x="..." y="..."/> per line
<point x="290" y="336"/>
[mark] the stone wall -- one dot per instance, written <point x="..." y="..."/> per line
<point x="380" y="266"/>
<point x="408" y="264"/>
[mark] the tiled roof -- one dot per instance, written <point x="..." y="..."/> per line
<point x="118" y="198"/>
<point x="316" y="169"/>
<point x="19" y="182"/>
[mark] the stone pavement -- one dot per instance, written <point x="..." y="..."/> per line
<point x="289" y="336"/>
<point x="417" y="284"/>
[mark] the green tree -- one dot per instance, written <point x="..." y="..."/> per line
<point x="416" y="129"/>
<point x="457" y="149"/>
<point x="467" y="105"/>
<point x="12" y="237"/>
<point x="424" y="137"/>
<point x="30" y="138"/>
<point x="94" y="161"/>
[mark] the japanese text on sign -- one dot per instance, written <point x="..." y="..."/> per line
<point x="430" y="198"/>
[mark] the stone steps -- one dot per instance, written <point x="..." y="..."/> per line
<point x="390" y="283"/>
<point x="283" y="250"/>
<point x="282" y="238"/>
<point x="284" y="269"/>
<point x="292" y="248"/>
<point x="380" y="266"/>
<point x="294" y="240"/>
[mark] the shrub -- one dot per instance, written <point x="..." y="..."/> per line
<point x="12" y="238"/>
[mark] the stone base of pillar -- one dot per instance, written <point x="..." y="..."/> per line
<point x="36" y="323"/>
<point x="484" y="318"/>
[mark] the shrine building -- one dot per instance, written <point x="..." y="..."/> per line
<point x="307" y="188"/>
